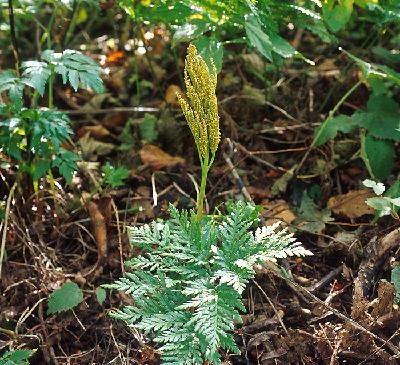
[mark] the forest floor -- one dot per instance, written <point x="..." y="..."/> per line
<point x="335" y="307"/>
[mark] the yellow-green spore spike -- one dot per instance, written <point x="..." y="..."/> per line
<point x="201" y="109"/>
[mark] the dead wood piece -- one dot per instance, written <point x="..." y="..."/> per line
<point x="326" y="279"/>
<point x="376" y="252"/>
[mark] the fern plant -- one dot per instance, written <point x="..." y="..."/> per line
<point x="188" y="282"/>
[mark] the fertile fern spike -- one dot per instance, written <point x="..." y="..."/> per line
<point x="187" y="284"/>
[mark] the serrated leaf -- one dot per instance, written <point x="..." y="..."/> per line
<point x="330" y="128"/>
<point x="36" y="75"/>
<point x="16" y="357"/>
<point x="373" y="70"/>
<point x="258" y="38"/>
<point x="337" y="13"/>
<point x="75" y="67"/>
<point x="13" y="84"/>
<point x="189" y="31"/>
<point x="281" y="46"/>
<point x="209" y="48"/>
<point x="40" y="168"/>
<point x="378" y="156"/>
<point x="114" y="177"/>
<point x="65" y="298"/>
<point x="148" y="128"/>
<point x="65" y="161"/>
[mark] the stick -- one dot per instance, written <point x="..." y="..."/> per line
<point x="7" y="214"/>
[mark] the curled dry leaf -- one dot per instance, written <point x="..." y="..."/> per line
<point x="352" y="204"/>
<point x="100" y="216"/>
<point x="96" y="131"/>
<point x="277" y="211"/>
<point x="170" y="94"/>
<point x="157" y="159"/>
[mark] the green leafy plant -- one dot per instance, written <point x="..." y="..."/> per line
<point x="378" y="125"/>
<point x="33" y="136"/>
<point x="114" y="177"/>
<point x="188" y="282"/>
<point x="385" y="203"/>
<point x="65" y="298"/>
<point x="16" y="357"/>
<point x="203" y="22"/>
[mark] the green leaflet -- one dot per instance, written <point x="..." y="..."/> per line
<point x="16" y="357"/>
<point x="378" y="156"/>
<point x="330" y="128"/>
<point x="75" y="67"/>
<point x="114" y="177"/>
<point x="148" y="128"/>
<point x="210" y="48"/>
<point x="36" y="74"/>
<point x="65" y="298"/>
<point x="337" y="14"/>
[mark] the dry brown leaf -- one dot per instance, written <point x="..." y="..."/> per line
<point x="278" y="211"/>
<point x="92" y="148"/>
<point x="157" y="159"/>
<point x="97" y="131"/>
<point x="352" y="204"/>
<point x="98" y="220"/>
<point x="170" y="94"/>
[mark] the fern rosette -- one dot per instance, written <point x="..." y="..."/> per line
<point x="187" y="284"/>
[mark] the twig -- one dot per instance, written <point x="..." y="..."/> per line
<point x="153" y="185"/>
<point x="7" y="214"/>
<point x="119" y="236"/>
<point x="235" y="174"/>
<point x="326" y="279"/>
<point x="339" y="314"/>
<point x="272" y="305"/>
<point x="258" y="159"/>
<point x="13" y="36"/>
<point x="78" y="320"/>
<point x="177" y="187"/>
<point x="325" y="123"/>
<point x="121" y="109"/>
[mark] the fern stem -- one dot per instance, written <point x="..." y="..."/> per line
<point x="53" y="191"/>
<point x="202" y="192"/>
<point x="51" y="87"/>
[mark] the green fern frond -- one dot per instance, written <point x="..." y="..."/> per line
<point x="188" y="281"/>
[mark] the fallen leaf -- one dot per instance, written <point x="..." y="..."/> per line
<point x="97" y="131"/>
<point x="115" y="58"/>
<point x="170" y="94"/>
<point x="92" y="148"/>
<point x="280" y="184"/>
<point x="278" y="211"/>
<point x="352" y="204"/>
<point x="157" y="159"/>
<point x="98" y="220"/>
